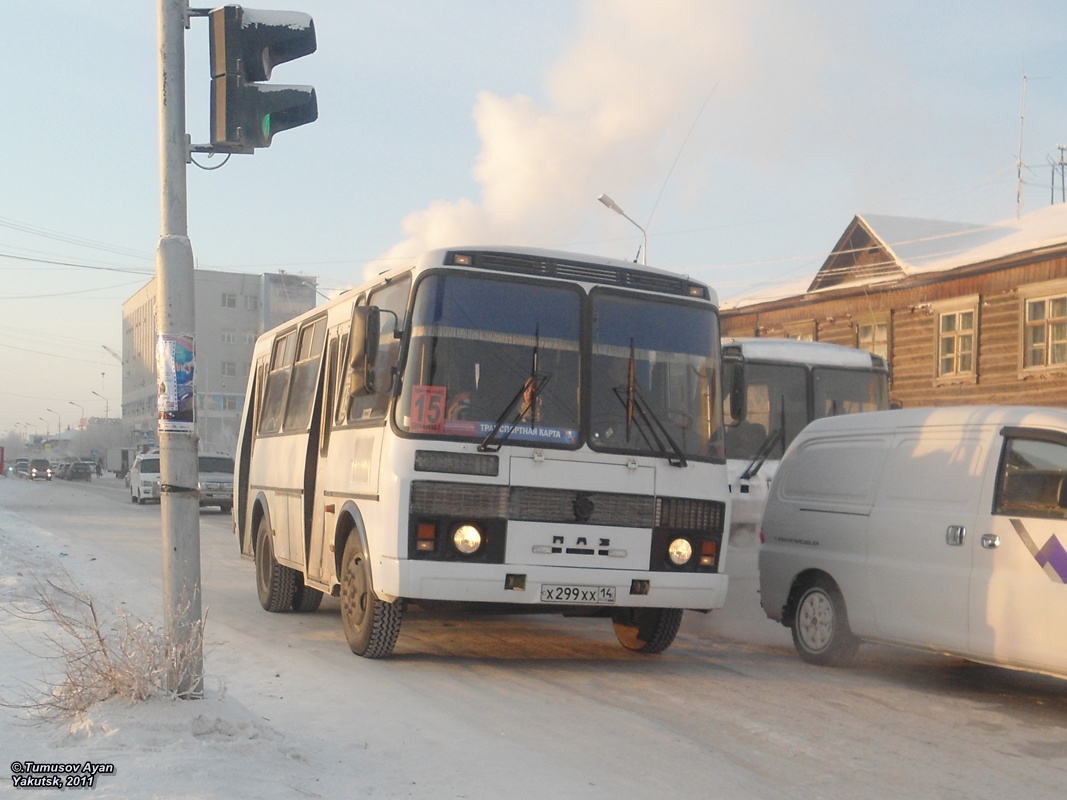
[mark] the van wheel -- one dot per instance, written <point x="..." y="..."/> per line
<point x="647" y="630"/>
<point x="371" y="624"/>
<point x="276" y="584"/>
<point x="820" y="627"/>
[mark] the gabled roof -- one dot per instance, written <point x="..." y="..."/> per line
<point x="876" y="249"/>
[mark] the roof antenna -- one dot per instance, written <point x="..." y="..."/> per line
<point x="1019" y="161"/>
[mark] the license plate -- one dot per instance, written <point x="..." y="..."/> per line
<point x="579" y="595"/>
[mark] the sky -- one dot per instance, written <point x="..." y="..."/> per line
<point x="742" y="137"/>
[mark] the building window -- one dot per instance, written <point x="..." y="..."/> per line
<point x="872" y="335"/>
<point x="229" y="300"/>
<point x="229" y="403"/>
<point x="229" y="369"/>
<point x="251" y="302"/>
<point x="803" y="331"/>
<point x="229" y="337"/>
<point x="955" y="343"/>
<point x="1045" y="342"/>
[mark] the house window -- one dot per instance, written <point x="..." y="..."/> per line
<point x="229" y="300"/>
<point x="955" y="343"/>
<point x="873" y="336"/>
<point x="1045" y="342"/>
<point x="251" y="302"/>
<point x="229" y="369"/>
<point x="229" y="337"/>
<point x="803" y="331"/>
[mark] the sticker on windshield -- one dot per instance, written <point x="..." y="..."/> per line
<point x="428" y="409"/>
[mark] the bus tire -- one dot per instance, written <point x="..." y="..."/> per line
<point x="306" y="599"/>
<point x="647" y="630"/>
<point x="371" y="624"/>
<point x="276" y="584"/>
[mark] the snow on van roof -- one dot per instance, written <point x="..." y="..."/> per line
<point x="800" y="352"/>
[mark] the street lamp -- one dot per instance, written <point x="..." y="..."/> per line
<point x="644" y="236"/>
<point x="82" y="409"/>
<point x="46" y="428"/>
<point x="59" y="421"/>
<point x="107" y="405"/>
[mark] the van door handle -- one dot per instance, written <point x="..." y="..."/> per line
<point x="990" y="541"/>
<point x="955" y="535"/>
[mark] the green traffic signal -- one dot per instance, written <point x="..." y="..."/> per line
<point x="246" y="45"/>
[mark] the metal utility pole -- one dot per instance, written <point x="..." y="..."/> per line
<point x="175" y="323"/>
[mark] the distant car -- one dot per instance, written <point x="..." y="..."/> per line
<point x="216" y="482"/>
<point x="144" y="479"/>
<point x="40" y="469"/>
<point x="79" y="471"/>
<point x="22" y="467"/>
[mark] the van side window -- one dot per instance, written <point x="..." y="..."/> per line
<point x="1032" y="481"/>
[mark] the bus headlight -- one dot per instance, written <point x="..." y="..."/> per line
<point x="679" y="552"/>
<point x="467" y="539"/>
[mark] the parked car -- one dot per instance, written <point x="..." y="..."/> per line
<point x="216" y="481"/>
<point x="40" y="469"/>
<point x="144" y="479"/>
<point x="941" y="528"/>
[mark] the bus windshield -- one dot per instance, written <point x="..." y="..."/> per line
<point x="501" y="361"/>
<point x="654" y="378"/>
<point x="493" y="361"/>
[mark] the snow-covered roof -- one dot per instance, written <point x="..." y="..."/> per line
<point x="878" y="249"/>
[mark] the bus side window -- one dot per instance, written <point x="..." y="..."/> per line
<point x="305" y="373"/>
<point x="281" y="366"/>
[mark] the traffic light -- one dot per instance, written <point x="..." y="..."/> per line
<point x="246" y="45"/>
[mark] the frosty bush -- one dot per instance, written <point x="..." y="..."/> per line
<point x="99" y="658"/>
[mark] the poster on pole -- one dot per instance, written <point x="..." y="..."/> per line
<point x="175" y="369"/>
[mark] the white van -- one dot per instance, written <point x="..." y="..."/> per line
<point x="144" y="479"/>
<point x="940" y="528"/>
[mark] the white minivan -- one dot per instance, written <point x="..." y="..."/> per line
<point x="938" y="528"/>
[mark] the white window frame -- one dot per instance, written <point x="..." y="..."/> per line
<point x="956" y="308"/>
<point x="1053" y="326"/>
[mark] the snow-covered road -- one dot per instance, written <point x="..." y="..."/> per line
<point x="493" y="707"/>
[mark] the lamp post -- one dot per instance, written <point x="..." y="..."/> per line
<point x="607" y="201"/>
<point x="82" y="417"/>
<point x="107" y="405"/>
<point x="46" y="428"/>
<point x="59" y="421"/>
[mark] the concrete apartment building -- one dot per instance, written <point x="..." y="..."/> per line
<point x="232" y="309"/>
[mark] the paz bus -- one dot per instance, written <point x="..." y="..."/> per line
<point x="505" y="429"/>
<point x="775" y="387"/>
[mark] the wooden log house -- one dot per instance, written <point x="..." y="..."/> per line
<point x="966" y="314"/>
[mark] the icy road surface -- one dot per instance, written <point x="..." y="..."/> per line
<point x="498" y="707"/>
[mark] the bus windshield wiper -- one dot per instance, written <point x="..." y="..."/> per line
<point x="640" y="412"/>
<point x="767" y="447"/>
<point x="530" y="390"/>
<point x="762" y="454"/>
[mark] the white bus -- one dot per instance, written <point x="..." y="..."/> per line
<point x="501" y="428"/>
<point x="774" y="388"/>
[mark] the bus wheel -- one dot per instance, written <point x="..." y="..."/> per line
<point x="276" y="584"/>
<point x="820" y="628"/>
<point x="647" y="630"/>
<point x="371" y="625"/>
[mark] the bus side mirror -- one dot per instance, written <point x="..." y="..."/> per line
<point x="738" y="393"/>
<point x="363" y="352"/>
